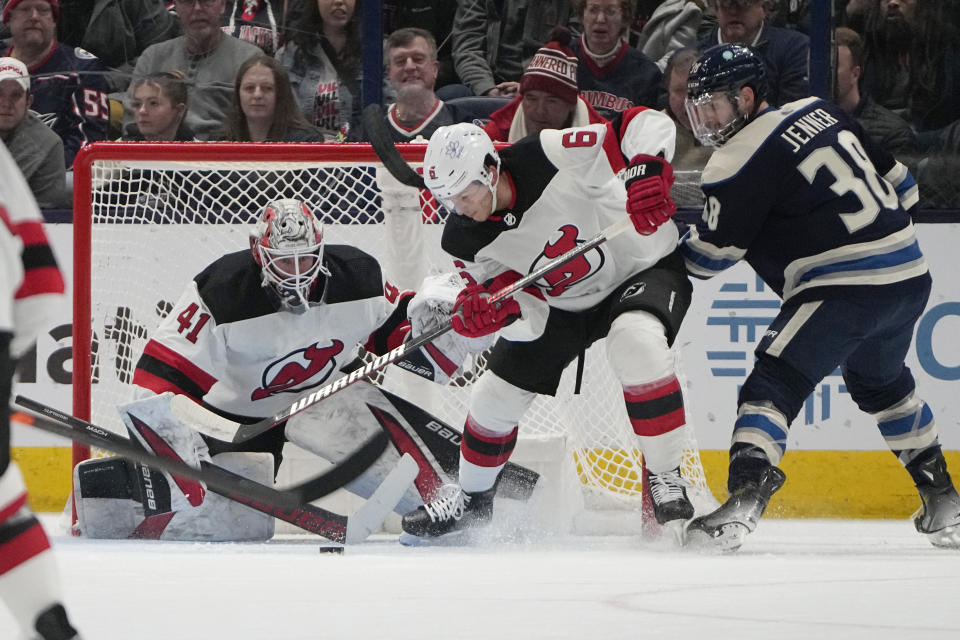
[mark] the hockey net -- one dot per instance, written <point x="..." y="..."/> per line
<point x="148" y="217"/>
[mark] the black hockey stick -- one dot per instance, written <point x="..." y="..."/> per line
<point x="217" y="426"/>
<point x="289" y="505"/>
<point x="375" y="126"/>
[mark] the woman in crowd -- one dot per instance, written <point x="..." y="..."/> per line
<point x="159" y="106"/>
<point x="612" y="76"/>
<point x="323" y="57"/>
<point x="263" y="106"/>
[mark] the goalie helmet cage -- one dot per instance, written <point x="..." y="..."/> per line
<point x="149" y="216"/>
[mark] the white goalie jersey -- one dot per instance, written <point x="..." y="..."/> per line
<point x="225" y="343"/>
<point x="566" y="191"/>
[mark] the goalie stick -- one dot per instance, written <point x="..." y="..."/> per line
<point x="290" y="504"/>
<point x="217" y="426"/>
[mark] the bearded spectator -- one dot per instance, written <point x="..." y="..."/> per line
<point x="913" y="60"/>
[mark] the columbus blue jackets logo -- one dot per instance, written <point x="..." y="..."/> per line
<point x="558" y="281"/>
<point x="299" y="370"/>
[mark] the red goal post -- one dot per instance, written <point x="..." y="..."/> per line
<point x="149" y="216"/>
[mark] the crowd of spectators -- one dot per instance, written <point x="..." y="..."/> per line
<point x="291" y="70"/>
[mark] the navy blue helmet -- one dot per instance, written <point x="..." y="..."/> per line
<point x="719" y="75"/>
<point x="726" y="68"/>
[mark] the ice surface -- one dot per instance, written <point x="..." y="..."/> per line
<point x="792" y="579"/>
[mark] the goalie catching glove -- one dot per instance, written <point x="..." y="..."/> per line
<point x="648" y="180"/>
<point x="440" y="359"/>
<point x="475" y="315"/>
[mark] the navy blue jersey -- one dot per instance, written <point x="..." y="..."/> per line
<point x="631" y="79"/>
<point x="70" y="96"/>
<point x="810" y="203"/>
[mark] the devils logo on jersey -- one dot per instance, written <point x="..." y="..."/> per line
<point x="299" y="370"/>
<point x="566" y="275"/>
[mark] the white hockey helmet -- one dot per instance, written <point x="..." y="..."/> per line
<point x="457" y="156"/>
<point x="287" y="243"/>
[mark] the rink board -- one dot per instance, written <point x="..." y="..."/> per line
<point x="829" y="441"/>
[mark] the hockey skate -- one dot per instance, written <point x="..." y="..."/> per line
<point x="53" y="624"/>
<point x="454" y="510"/>
<point x="725" y="528"/>
<point x="671" y="506"/>
<point x="939" y="517"/>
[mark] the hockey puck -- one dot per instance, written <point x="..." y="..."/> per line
<point x="331" y="549"/>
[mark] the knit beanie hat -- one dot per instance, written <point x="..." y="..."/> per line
<point x="7" y="8"/>
<point x="553" y="68"/>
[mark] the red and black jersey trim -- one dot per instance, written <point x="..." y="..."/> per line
<point x="161" y="369"/>
<point x="37" y="256"/>
<point x="40" y="271"/>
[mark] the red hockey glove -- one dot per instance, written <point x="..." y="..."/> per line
<point x="474" y="315"/>
<point x="648" y="181"/>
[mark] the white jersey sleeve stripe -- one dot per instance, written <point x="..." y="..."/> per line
<point x="704" y="259"/>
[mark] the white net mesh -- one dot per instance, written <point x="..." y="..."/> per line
<point x="156" y="222"/>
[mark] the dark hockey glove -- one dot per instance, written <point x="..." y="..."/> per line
<point x="474" y="315"/>
<point x="648" y="180"/>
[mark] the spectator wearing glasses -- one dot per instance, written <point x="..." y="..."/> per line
<point x="208" y="58"/>
<point x="69" y="87"/>
<point x="784" y="52"/>
<point x="612" y="76"/>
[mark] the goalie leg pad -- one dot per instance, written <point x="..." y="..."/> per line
<point x="331" y="429"/>
<point x="107" y="497"/>
<point x="109" y="504"/>
<point x="153" y="425"/>
<point x="219" y="519"/>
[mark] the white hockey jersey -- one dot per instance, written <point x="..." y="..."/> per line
<point x="566" y="191"/>
<point x="31" y="284"/>
<point x="225" y="344"/>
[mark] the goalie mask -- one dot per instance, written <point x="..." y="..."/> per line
<point x="713" y="92"/>
<point x="287" y="243"/>
<point x="457" y="156"/>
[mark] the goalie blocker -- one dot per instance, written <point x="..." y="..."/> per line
<point x="119" y="499"/>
